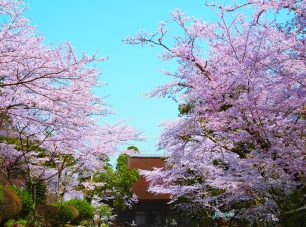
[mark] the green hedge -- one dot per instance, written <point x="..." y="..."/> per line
<point x="26" y="201"/>
<point x="66" y="214"/>
<point x="84" y="208"/>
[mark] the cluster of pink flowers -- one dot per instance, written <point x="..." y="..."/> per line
<point x="241" y="132"/>
<point x="47" y="104"/>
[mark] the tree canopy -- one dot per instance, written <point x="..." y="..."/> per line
<point x="239" y="143"/>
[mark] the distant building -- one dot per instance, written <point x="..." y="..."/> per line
<point x="151" y="209"/>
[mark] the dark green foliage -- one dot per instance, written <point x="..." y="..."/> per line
<point x="118" y="182"/>
<point x="12" y="140"/>
<point x="26" y="201"/>
<point x="292" y="213"/>
<point x="185" y="137"/>
<point x="201" y="218"/>
<point x="242" y="204"/>
<point x="84" y="208"/>
<point x="217" y="191"/>
<point x="184" y="109"/>
<point x="190" y="178"/>
<point x="66" y="214"/>
<point x="133" y="148"/>
<point x="215" y="162"/>
<point x="22" y="144"/>
<point x="220" y="163"/>
<point x="243" y="148"/>
<point x="225" y="107"/>
<point x="197" y="215"/>
<point x="38" y="190"/>
<point x="122" y="163"/>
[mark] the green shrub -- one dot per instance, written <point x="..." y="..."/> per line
<point x="66" y="214"/>
<point x="26" y="201"/>
<point x="84" y="208"/>
<point x="75" y="212"/>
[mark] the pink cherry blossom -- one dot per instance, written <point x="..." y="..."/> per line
<point x="243" y="128"/>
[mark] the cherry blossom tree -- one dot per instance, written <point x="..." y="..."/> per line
<point x="48" y="112"/>
<point x="239" y="142"/>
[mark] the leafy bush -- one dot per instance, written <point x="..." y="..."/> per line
<point x="84" y="208"/>
<point x="66" y="214"/>
<point x="75" y="212"/>
<point x="26" y="201"/>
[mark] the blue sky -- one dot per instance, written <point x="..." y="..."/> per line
<point x="99" y="26"/>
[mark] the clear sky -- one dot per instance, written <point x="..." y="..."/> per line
<point x="131" y="71"/>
